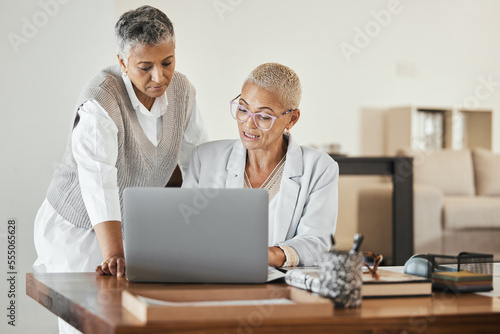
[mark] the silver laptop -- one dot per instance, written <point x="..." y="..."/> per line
<point x="196" y="235"/>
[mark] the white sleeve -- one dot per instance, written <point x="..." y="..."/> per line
<point x="192" y="176"/>
<point x="319" y="218"/>
<point x="95" y="148"/>
<point x="195" y="134"/>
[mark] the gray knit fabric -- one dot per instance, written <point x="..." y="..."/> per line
<point x="139" y="163"/>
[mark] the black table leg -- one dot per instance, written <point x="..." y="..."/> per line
<point x="402" y="210"/>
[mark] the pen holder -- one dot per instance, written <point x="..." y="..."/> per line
<point x="341" y="278"/>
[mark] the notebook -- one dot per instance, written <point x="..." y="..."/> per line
<point x="199" y="235"/>
<point x="390" y="283"/>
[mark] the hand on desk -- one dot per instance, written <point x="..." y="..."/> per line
<point x="276" y="256"/>
<point x="109" y="236"/>
<point x="114" y="266"/>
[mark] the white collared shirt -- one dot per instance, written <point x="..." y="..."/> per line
<point x="95" y="148"/>
<point x="151" y="121"/>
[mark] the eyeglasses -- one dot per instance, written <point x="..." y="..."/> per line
<point x="373" y="260"/>
<point x="262" y="120"/>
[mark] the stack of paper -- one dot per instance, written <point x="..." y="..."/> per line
<point x="462" y="281"/>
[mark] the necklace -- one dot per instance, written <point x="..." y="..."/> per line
<point x="269" y="178"/>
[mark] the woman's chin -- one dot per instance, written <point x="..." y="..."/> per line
<point x="156" y="93"/>
<point x="249" y="145"/>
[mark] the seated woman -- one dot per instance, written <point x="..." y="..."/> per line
<point x="302" y="182"/>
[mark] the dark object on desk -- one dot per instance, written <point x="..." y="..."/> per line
<point x="419" y="265"/>
<point x="401" y="170"/>
<point x="466" y="272"/>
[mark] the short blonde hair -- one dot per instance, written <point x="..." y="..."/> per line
<point x="280" y="80"/>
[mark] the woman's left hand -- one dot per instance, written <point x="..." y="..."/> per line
<point x="113" y="266"/>
<point x="276" y="256"/>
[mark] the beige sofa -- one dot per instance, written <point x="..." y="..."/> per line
<point x="456" y="205"/>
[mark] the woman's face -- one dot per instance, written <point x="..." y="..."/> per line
<point x="257" y="99"/>
<point x="150" y="69"/>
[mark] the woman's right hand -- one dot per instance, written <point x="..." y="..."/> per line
<point x="109" y="235"/>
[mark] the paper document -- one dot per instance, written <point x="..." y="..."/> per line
<point x="274" y="274"/>
<point x="281" y="301"/>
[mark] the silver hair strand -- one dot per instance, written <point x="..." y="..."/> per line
<point x="145" y="25"/>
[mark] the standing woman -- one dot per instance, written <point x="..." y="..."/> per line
<point x="136" y="124"/>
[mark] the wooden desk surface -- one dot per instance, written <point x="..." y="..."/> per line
<point x="92" y="304"/>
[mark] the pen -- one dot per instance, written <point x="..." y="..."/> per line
<point x="332" y="247"/>
<point x="358" y="239"/>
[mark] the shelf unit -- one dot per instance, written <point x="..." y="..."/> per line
<point x="425" y="128"/>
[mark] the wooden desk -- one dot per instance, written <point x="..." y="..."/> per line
<point x="401" y="171"/>
<point x="93" y="305"/>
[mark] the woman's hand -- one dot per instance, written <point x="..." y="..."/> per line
<point x="113" y="266"/>
<point x="109" y="235"/>
<point x="276" y="256"/>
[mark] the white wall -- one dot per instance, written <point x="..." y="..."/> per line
<point x="39" y="86"/>
<point x="432" y="53"/>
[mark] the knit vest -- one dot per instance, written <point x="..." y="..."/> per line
<point x="139" y="162"/>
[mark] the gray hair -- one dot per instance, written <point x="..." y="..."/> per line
<point x="145" y="25"/>
<point x="280" y="80"/>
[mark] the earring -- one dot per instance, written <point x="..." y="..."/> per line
<point x="124" y="74"/>
<point x="287" y="132"/>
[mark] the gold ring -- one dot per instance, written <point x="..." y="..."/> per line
<point x="104" y="262"/>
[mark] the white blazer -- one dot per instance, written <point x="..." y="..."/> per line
<point x="307" y="203"/>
